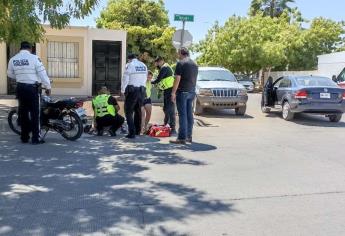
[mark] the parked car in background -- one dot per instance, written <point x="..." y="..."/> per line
<point x="217" y="88"/>
<point x="246" y="81"/>
<point x="305" y="94"/>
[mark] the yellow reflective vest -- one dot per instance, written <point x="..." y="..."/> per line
<point x="102" y="107"/>
<point x="148" y="89"/>
<point x="167" y="82"/>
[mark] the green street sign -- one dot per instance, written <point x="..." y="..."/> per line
<point x="179" y="17"/>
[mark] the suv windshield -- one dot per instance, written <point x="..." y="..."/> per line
<point x="315" y="82"/>
<point x="216" y="75"/>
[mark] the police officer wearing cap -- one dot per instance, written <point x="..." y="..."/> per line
<point x="28" y="71"/>
<point x="133" y="86"/>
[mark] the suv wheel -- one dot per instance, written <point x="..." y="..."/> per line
<point x="335" y="118"/>
<point x="198" y="109"/>
<point x="287" y="114"/>
<point x="241" y="111"/>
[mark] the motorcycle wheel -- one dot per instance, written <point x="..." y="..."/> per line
<point x="76" y="126"/>
<point x="13" y="121"/>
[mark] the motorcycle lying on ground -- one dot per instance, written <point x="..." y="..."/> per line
<point x="66" y="116"/>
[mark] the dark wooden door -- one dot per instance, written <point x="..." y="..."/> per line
<point x="106" y="66"/>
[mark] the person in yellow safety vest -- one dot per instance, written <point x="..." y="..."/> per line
<point x="147" y="104"/>
<point x="165" y="82"/>
<point x="106" y="111"/>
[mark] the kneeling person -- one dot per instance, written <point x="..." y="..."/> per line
<point x="106" y="110"/>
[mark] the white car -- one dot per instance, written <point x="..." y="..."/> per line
<point x="246" y="81"/>
<point x="217" y="88"/>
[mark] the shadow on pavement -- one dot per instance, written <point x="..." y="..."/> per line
<point x="308" y="120"/>
<point x="95" y="186"/>
<point x="4" y="109"/>
<point x="209" y="113"/>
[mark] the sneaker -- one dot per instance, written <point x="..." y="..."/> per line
<point x="112" y="133"/>
<point x="37" y="142"/>
<point x="24" y="140"/>
<point x="189" y="140"/>
<point x="99" y="132"/>
<point x="178" y="141"/>
<point x="173" y="132"/>
<point x="130" y="136"/>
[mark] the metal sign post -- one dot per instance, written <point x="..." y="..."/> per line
<point x="182" y="34"/>
<point x="184" y="19"/>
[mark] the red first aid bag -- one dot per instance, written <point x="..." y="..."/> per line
<point x="159" y="131"/>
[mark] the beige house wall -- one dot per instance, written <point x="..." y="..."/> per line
<point x="70" y="86"/>
<point x="3" y="68"/>
<point x="84" y="36"/>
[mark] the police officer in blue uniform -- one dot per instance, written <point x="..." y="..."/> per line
<point x="29" y="72"/>
<point x="133" y="86"/>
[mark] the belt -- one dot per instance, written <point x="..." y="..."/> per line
<point x="135" y="86"/>
<point x="27" y="85"/>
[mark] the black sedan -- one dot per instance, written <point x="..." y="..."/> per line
<point x="305" y="94"/>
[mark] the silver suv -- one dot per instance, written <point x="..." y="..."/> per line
<point x="217" y="88"/>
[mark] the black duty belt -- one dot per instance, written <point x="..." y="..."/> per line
<point x="28" y="85"/>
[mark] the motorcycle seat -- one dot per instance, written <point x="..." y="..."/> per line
<point x="62" y="103"/>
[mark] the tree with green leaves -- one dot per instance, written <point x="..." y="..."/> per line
<point x="250" y="44"/>
<point x="323" y="36"/>
<point x="147" y="25"/>
<point x="21" y="20"/>
<point x="247" y="45"/>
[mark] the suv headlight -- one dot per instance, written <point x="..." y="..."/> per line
<point x="205" y="92"/>
<point x="242" y="92"/>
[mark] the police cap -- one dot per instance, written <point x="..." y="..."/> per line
<point x="25" y="45"/>
<point x="131" y="56"/>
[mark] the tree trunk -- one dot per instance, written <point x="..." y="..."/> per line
<point x="272" y="8"/>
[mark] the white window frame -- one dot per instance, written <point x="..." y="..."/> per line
<point x="63" y="59"/>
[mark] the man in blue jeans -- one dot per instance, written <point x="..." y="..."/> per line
<point x="183" y="93"/>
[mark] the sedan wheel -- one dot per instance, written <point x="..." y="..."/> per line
<point x="287" y="114"/>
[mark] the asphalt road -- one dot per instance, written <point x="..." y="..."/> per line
<point x="257" y="175"/>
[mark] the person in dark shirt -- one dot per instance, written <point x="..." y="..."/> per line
<point x="334" y="78"/>
<point x="106" y="111"/>
<point x="165" y="80"/>
<point x="183" y="93"/>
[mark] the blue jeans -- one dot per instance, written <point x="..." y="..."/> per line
<point x="184" y="102"/>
